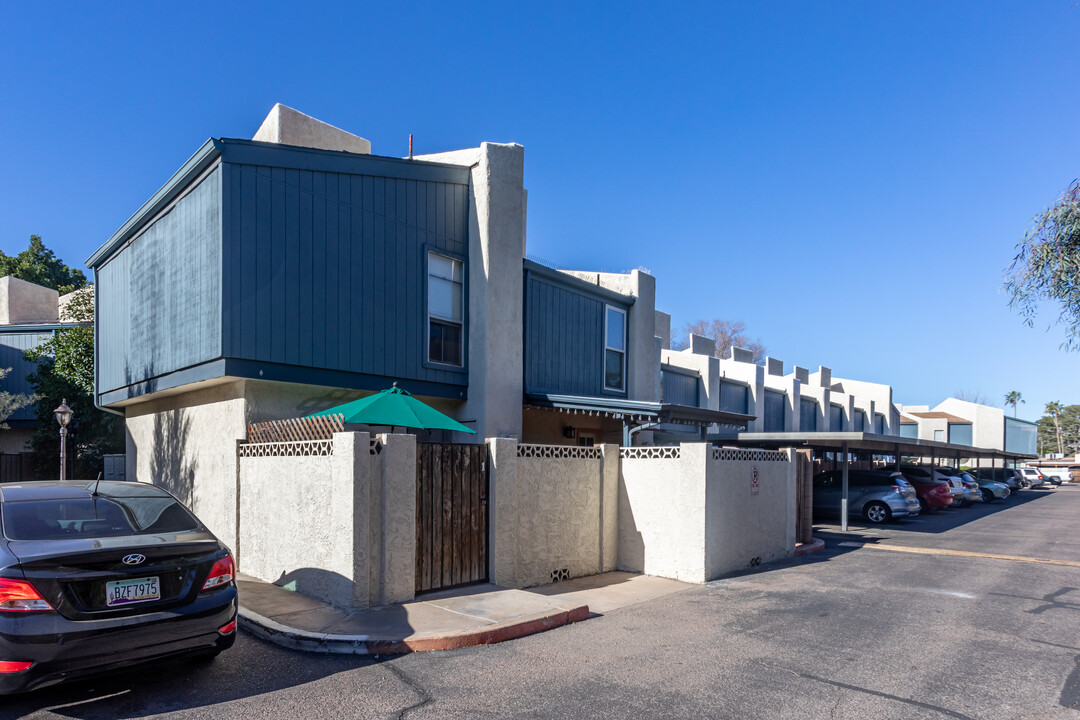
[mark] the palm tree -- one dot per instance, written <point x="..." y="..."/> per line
<point x="1054" y="410"/>
<point x="1013" y="398"/>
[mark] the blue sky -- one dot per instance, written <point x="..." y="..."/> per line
<point x="847" y="178"/>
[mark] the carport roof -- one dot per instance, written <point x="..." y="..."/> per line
<point x="883" y="444"/>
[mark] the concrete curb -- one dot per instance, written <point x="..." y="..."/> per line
<point x="308" y="641"/>
<point x="814" y="546"/>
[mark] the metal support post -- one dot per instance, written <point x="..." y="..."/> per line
<point x="844" y="489"/>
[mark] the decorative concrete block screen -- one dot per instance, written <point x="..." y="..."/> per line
<point x="333" y="519"/>
<point x="702" y="512"/>
<point x="553" y="512"/>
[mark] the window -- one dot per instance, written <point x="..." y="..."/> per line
<point x="614" y="349"/>
<point x="734" y="398"/>
<point x="860" y="421"/>
<point x="960" y="433"/>
<point x="909" y="430"/>
<point x="774" y="411"/>
<point x="445" y="299"/>
<point x="939" y="436"/>
<point x="879" y="423"/>
<point x="807" y="415"/>
<point x="77" y="518"/>
<point x="836" y="418"/>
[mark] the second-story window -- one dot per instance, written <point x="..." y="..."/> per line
<point x="614" y="349"/>
<point x="445" y="300"/>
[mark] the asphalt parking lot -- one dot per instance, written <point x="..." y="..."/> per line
<point x="941" y="627"/>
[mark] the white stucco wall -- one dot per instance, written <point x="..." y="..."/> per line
<point x="744" y="528"/>
<point x="695" y="518"/>
<point x="186" y="443"/>
<point x="26" y="302"/>
<point x="298" y="519"/>
<point x="292" y="127"/>
<point x="339" y="527"/>
<point x="662" y="514"/>
<point x="552" y="513"/>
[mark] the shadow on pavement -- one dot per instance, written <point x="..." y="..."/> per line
<point x="184" y="684"/>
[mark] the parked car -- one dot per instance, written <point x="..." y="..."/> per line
<point x="876" y="495"/>
<point x="1010" y="477"/>
<point x="972" y="494"/>
<point x="1034" y="476"/>
<point x="1060" y="475"/>
<point x="933" y="495"/>
<point x="96" y="577"/>
<point x="925" y="472"/>
<point x="991" y="489"/>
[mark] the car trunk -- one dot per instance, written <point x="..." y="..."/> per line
<point x="74" y="575"/>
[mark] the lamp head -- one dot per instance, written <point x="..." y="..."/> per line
<point x="63" y="414"/>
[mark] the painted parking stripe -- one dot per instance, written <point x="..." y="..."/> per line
<point x="958" y="553"/>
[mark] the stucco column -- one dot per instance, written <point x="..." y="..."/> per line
<point x="503" y="507"/>
<point x="349" y="506"/>
<point x="398" y="519"/>
<point x="609" y="507"/>
<point x="494" y="276"/>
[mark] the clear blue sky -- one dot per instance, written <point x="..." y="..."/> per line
<point x="847" y="178"/>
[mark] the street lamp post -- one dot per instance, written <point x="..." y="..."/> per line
<point x="63" y="417"/>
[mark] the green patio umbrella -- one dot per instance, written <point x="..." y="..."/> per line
<point x="394" y="407"/>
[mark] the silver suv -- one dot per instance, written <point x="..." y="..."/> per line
<point x="876" y="495"/>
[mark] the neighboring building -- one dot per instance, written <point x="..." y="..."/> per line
<point x="967" y="423"/>
<point x="29" y="315"/>
<point x="799" y="401"/>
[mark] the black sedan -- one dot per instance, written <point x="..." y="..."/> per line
<point x="96" y="577"/>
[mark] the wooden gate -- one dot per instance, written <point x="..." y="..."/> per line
<point x="451" y="515"/>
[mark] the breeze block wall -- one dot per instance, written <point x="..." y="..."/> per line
<point x="554" y="512"/>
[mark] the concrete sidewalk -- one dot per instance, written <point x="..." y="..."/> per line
<point x="474" y="615"/>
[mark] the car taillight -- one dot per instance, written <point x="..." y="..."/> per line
<point x="21" y="596"/>
<point x="221" y="574"/>
<point x="227" y="629"/>
<point x="8" y="666"/>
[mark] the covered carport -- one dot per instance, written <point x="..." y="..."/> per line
<point x="846" y="443"/>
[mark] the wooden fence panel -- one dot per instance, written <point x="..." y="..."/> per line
<point x="451" y="515"/>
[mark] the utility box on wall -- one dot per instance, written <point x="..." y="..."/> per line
<point x="114" y="467"/>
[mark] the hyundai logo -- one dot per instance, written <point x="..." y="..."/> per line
<point x="134" y="559"/>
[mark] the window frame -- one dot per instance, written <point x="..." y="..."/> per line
<point x="623" y="352"/>
<point x="427" y="361"/>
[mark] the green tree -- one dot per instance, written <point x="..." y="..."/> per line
<point x="1053" y="409"/>
<point x="66" y="370"/>
<point x="1062" y="436"/>
<point x="39" y="265"/>
<point x="1013" y="398"/>
<point x="10" y="402"/>
<point x="1047" y="266"/>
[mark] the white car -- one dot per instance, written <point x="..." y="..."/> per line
<point x="1058" y="476"/>
<point x="1034" y="476"/>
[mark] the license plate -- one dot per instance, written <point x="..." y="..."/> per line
<point x="125" y="592"/>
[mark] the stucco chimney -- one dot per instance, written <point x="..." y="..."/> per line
<point x="25" y="302"/>
<point x="291" y="127"/>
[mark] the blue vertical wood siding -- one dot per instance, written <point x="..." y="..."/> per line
<point x="734" y="397"/>
<point x="679" y="388"/>
<point x="291" y="260"/>
<point x="564" y="338"/>
<point x="329" y="269"/>
<point x="159" y="299"/>
<point x="12" y="346"/>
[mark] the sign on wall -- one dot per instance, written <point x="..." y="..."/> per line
<point x="755" y="485"/>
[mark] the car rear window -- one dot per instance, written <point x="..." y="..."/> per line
<point x="69" y="518"/>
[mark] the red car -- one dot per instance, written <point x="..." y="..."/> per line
<point x="932" y="494"/>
